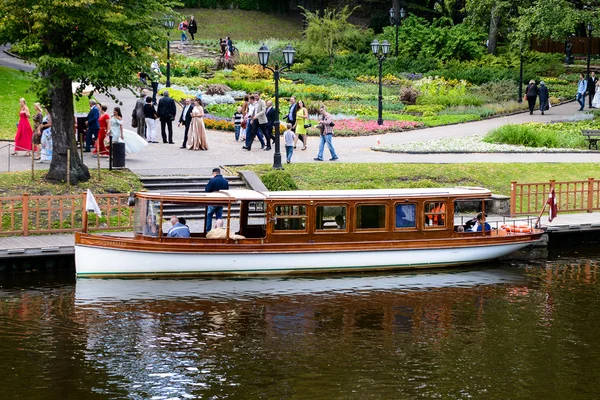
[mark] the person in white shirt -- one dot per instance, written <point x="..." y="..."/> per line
<point x="288" y="139"/>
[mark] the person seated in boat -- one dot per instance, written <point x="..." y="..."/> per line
<point x="339" y="221"/>
<point x="480" y="224"/>
<point x="218" y="232"/>
<point x="179" y="229"/>
<point x="151" y="228"/>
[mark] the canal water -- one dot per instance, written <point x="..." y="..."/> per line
<point x="505" y="330"/>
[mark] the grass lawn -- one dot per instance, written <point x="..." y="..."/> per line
<point x="496" y="177"/>
<point x="17" y="183"/>
<point x="15" y="84"/>
<point x="243" y="25"/>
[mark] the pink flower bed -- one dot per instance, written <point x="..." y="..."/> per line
<point x="369" y="127"/>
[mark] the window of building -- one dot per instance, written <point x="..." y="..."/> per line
<point x="290" y="218"/>
<point x="331" y="218"/>
<point x="370" y="216"/>
<point x="435" y="214"/>
<point x="406" y="216"/>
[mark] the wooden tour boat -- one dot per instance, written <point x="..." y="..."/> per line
<point x="300" y="232"/>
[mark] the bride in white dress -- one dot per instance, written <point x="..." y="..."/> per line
<point x="596" y="99"/>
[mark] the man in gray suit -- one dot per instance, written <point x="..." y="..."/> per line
<point x="259" y="120"/>
<point x="138" y="114"/>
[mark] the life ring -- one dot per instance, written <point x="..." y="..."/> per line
<point x="519" y="228"/>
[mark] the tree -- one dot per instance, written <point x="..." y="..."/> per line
<point x="100" y="43"/>
<point x="326" y="31"/>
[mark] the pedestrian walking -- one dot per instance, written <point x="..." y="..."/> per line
<point x="326" y="127"/>
<point x="302" y="124"/>
<point x="591" y="86"/>
<point x="544" y="97"/>
<point x="154" y="75"/>
<point x="183" y="27"/>
<point x="271" y="119"/>
<point x="581" y="90"/>
<point x="46" y="139"/>
<point x="197" y="136"/>
<point x="192" y="27"/>
<point x="37" y="132"/>
<point x="237" y="122"/>
<point x="531" y="94"/>
<point x="103" y="121"/>
<point x="288" y="140"/>
<point x="24" y="131"/>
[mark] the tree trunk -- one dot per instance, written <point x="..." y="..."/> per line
<point x="493" y="32"/>
<point x="63" y="135"/>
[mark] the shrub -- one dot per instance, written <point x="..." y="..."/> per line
<point x="218" y="125"/>
<point x="409" y="95"/>
<point x="499" y="91"/>
<point x="451" y="100"/>
<point x="279" y="180"/>
<point x="435" y="108"/>
<point x="216" y="89"/>
<point x="251" y="72"/>
<point x="563" y="135"/>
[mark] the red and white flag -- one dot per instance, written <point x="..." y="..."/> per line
<point x="553" y="208"/>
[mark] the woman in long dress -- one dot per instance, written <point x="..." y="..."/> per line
<point x="24" y="131"/>
<point x="133" y="142"/>
<point x="197" y="135"/>
<point x="596" y="99"/>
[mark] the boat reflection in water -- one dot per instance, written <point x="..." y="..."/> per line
<point x="99" y="290"/>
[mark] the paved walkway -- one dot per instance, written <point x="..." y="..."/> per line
<point x="165" y="159"/>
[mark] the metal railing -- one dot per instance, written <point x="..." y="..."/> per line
<point x="25" y="214"/>
<point x="573" y="196"/>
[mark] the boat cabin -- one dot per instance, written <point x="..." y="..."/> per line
<point x="310" y="216"/>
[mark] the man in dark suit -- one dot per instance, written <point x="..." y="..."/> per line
<point x="592" y="80"/>
<point x="93" y="126"/>
<point x="186" y="120"/>
<point x="291" y="115"/>
<point x="271" y="115"/>
<point x="167" y="110"/>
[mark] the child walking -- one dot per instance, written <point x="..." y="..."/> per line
<point x="237" y="122"/>
<point x="288" y="138"/>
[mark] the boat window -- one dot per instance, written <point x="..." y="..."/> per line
<point x="290" y="218"/>
<point x="256" y="213"/>
<point x="370" y="216"/>
<point x="331" y="218"/>
<point x="435" y="214"/>
<point x="406" y="216"/>
<point x="146" y="216"/>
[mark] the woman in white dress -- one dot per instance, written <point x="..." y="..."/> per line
<point x="133" y="142"/>
<point x="197" y="134"/>
<point x="596" y="99"/>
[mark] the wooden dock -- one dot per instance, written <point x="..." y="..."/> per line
<point x="37" y="246"/>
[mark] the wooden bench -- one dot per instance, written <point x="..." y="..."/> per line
<point x="592" y="136"/>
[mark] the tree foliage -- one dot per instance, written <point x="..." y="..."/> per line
<point x="100" y="43"/>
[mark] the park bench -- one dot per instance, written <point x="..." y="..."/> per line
<point x="592" y="136"/>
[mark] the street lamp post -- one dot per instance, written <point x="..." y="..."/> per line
<point x="385" y="48"/>
<point x="263" y="59"/>
<point x="397" y="21"/>
<point x="169" y="23"/>
<point x="590" y="28"/>
<point x="520" y="99"/>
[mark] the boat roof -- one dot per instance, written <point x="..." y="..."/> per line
<point x="247" y="194"/>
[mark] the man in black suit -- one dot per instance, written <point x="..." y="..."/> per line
<point x="186" y="120"/>
<point x="591" y="86"/>
<point x="270" y="113"/>
<point x="167" y="110"/>
<point x="291" y="116"/>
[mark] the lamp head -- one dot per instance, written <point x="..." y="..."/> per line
<point x="590" y="27"/>
<point x="288" y="55"/>
<point x="392" y="14"/>
<point x="385" y="47"/>
<point x="375" y="47"/>
<point x="263" y="55"/>
<point x="402" y="13"/>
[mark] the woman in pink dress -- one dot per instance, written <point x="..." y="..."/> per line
<point x="197" y="134"/>
<point x="24" y="131"/>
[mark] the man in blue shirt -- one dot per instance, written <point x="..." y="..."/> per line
<point x="216" y="183"/>
<point x="291" y="117"/>
<point x="581" y="89"/>
<point x="179" y="229"/>
<point x="93" y="126"/>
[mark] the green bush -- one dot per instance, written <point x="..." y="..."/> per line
<point x="421" y="109"/>
<point x="450" y="100"/>
<point x="498" y="91"/>
<point x="279" y="180"/>
<point x="560" y="135"/>
<point x="438" y="120"/>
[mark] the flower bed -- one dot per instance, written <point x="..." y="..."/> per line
<point x="355" y="127"/>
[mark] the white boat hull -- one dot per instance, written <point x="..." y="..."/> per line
<point x="100" y="261"/>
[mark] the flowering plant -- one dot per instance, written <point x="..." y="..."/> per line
<point x="355" y="127"/>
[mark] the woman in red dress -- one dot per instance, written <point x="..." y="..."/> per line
<point x="103" y="121"/>
<point x="24" y="131"/>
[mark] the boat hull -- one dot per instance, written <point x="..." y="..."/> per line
<point x="103" y="261"/>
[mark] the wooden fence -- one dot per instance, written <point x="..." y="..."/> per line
<point x="24" y="215"/>
<point x="574" y="196"/>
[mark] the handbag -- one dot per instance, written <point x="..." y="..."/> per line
<point x="308" y="125"/>
<point x="244" y="124"/>
<point x="134" y="122"/>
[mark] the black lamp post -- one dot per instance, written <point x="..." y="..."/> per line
<point x="590" y="28"/>
<point x="385" y="48"/>
<point x="397" y="21"/>
<point x="169" y="23"/>
<point x="263" y="59"/>
<point x="520" y="99"/>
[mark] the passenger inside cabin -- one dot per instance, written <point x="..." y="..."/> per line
<point x="179" y="229"/>
<point x="480" y="224"/>
<point x="219" y="232"/>
<point x="151" y="228"/>
<point x="339" y="221"/>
